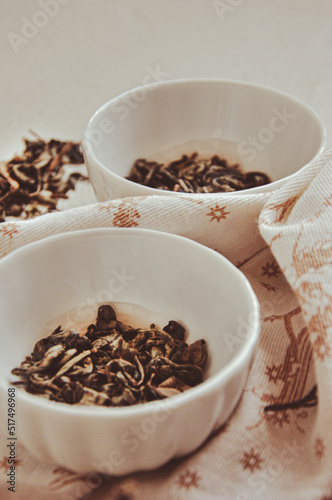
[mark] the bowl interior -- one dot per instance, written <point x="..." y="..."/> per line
<point x="262" y="128"/>
<point x="63" y="279"/>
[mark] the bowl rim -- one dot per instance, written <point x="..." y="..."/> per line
<point x="88" y="149"/>
<point x="214" y="382"/>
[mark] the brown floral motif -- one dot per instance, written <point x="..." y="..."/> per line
<point x="217" y="213"/>
<point x="321" y="348"/>
<point x="319" y="325"/>
<point x="6" y="466"/>
<point x="309" y="292"/>
<point x="319" y="448"/>
<point x="8" y="229"/>
<point x="313" y="258"/>
<point x="293" y="373"/>
<point x="285" y="208"/>
<point x="274" y="372"/>
<point x="189" y="479"/>
<point x="106" y="206"/>
<point x="271" y="269"/>
<point x="251" y="460"/>
<point x="126" y="215"/>
<point x="278" y="418"/>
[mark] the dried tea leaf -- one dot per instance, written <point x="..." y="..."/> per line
<point x="31" y="184"/>
<point x="192" y="174"/>
<point x="112" y="364"/>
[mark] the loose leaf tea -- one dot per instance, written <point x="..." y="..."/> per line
<point x="192" y="174"/>
<point x="113" y="364"/>
<point x="32" y="183"/>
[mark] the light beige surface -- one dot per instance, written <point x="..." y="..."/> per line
<point x="90" y="51"/>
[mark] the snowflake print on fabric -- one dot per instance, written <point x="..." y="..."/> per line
<point x="217" y="213"/>
<point x="8" y="229"/>
<point x="274" y="372"/>
<point x="271" y="269"/>
<point x="252" y="460"/>
<point x="126" y="215"/>
<point x="189" y="479"/>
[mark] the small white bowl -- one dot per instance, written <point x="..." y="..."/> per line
<point x="261" y="128"/>
<point x="63" y="279"/>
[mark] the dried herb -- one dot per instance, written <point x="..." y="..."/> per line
<point x="308" y="401"/>
<point x="192" y="174"/>
<point x="113" y="364"/>
<point x="32" y="183"/>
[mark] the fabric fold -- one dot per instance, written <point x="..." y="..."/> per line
<point x="277" y="443"/>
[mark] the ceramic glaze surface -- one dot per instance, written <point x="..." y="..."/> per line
<point x="128" y="266"/>
<point x="265" y="124"/>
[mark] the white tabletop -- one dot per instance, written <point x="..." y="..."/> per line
<point x="61" y="59"/>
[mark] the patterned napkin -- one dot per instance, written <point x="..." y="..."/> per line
<point x="278" y="442"/>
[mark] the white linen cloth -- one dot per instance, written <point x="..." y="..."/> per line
<point x="282" y="242"/>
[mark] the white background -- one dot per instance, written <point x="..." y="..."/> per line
<point x="91" y="50"/>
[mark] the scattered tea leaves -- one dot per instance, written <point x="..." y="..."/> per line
<point x="31" y="184"/>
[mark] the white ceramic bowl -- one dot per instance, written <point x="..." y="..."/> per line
<point x="63" y="279"/>
<point x="262" y="128"/>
